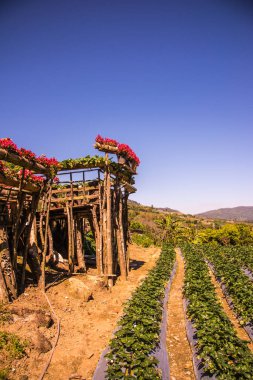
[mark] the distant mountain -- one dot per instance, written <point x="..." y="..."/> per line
<point x="241" y="214"/>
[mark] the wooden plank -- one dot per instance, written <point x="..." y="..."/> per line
<point x="23" y="162"/>
<point x="80" y="197"/>
<point x="14" y="183"/>
<point x="75" y="189"/>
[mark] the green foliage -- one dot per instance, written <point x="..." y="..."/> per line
<point x="135" y="225"/>
<point x="223" y="353"/>
<point x="4" y="374"/>
<point x="89" y="244"/>
<point x="228" y="234"/>
<point x="5" y="315"/>
<point x="176" y="229"/>
<point x="83" y="162"/>
<point x="130" y="355"/>
<point x="142" y="239"/>
<point x="12" y="345"/>
<point x="227" y="266"/>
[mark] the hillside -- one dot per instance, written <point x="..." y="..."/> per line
<point x="241" y="213"/>
<point x="141" y="207"/>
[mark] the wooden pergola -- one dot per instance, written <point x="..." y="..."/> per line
<point x="35" y="219"/>
<point x="101" y="202"/>
<point x="19" y="201"/>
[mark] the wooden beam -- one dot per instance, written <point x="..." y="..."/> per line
<point x="75" y="189"/>
<point x="69" y="199"/>
<point x="30" y="187"/>
<point x="23" y="162"/>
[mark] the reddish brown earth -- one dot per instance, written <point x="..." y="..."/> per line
<point x="241" y="333"/>
<point x="179" y="351"/>
<point x="86" y="327"/>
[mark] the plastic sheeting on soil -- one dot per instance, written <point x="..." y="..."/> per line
<point x="248" y="273"/>
<point x="161" y="350"/>
<point x="198" y="366"/>
<point x="249" y="326"/>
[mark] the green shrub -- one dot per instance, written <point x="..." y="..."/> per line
<point x="142" y="240"/>
<point x="12" y="345"/>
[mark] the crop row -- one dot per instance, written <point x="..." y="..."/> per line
<point x="243" y="255"/>
<point x="223" y="354"/>
<point x="238" y="286"/>
<point x="132" y="348"/>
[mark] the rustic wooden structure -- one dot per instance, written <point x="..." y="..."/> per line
<point x="93" y="199"/>
<point x="41" y="222"/>
<point x="19" y="201"/>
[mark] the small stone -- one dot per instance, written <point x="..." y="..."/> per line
<point x="79" y="290"/>
<point x="76" y="376"/>
<point x="41" y="343"/>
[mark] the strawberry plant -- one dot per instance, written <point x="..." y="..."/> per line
<point x="222" y="353"/>
<point x="130" y="355"/>
<point x="238" y="286"/>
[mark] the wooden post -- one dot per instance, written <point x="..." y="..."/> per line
<point x="97" y="239"/>
<point x="33" y="253"/>
<point x="44" y="252"/>
<point x="20" y="204"/>
<point x="104" y="228"/>
<point x="101" y="245"/>
<point x="50" y="244"/>
<point x="109" y="226"/>
<point x="79" y="245"/>
<point x="70" y="238"/>
<point x="121" y="245"/>
<point x="8" y="287"/>
<point x="19" y="210"/>
<point x="34" y="205"/>
<point x="125" y="226"/>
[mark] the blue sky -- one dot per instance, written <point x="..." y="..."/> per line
<point x="173" y="79"/>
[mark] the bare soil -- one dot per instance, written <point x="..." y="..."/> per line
<point x="179" y="351"/>
<point x="241" y="333"/>
<point x="86" y="327"/>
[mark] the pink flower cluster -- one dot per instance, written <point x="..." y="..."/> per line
<point x="29" y="176"/>
<point x="8" y="144"/>
<point x="123" y="149"/>
<point x="48" y="162"/>
<point x="105" y="141"/>
<point x="27" y="153"/>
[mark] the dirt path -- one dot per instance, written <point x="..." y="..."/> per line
<point x="179" y="351"/>
<point x="241" y="333"/>
<point x="86" y="327"/>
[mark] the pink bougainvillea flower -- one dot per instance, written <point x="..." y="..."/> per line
<point x="7" y="143"/>
<point x="106" y="141"/>
<point x="27" y="154"/>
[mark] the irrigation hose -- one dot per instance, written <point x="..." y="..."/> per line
<point x="56" y="340"/>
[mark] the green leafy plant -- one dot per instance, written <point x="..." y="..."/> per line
<point x="12" y="345"/>
<point x="239" y="287"/>
<point x="222" y="352"/>
<point x="130" y="355"/>
<point x="142" y="239"/>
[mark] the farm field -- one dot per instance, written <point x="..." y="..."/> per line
<point x="208" y="334"/>
<point x="126" y="214"/>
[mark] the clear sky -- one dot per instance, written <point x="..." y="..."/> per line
<point x="173" y="79"/>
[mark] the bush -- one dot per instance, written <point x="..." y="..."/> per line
<point x="142" y="240"/>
